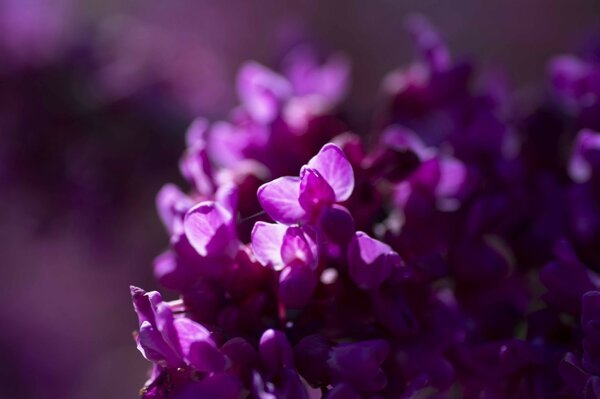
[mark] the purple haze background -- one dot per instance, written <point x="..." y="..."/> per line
<point x="94" y="101"/>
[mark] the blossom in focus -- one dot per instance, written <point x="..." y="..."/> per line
<point x="325" y="180"/>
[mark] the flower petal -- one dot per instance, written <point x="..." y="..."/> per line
<point x="196" y="133"/>
<point x="267" y="239"/>
<point x="279" y="198"/>
<point x="329" y="80"/>
<point x="315" y="192"/>
<point x="370" y="261"/>
<point x="262" y="91"/>
<point x="295" y="248"/>
<point x="332" y="164"/>
<point x="227" y="144"/>
<point x="165" y="323"/>
<point x="228" y="196"/>
<point x="145" y="304"/>
<point x="198" y="347"/>
<point x="453" y="174"/>
<point x="152" y="345"/>
<point x="208" y="228"/>
<point x="172" y="204"/>
<point x="196" y="168"/>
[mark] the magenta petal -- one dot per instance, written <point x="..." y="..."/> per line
<point x="204" y="356"/>
<point x="188" y="332"/>
<point x="262" y="91"/>
<point x="315" y="192"/>
<point x="172" y="204"/>
<point x="196" y="168"/>
<point x="267" y="239"/>
<point x="454" y="179"/>
<point x="370" y="261"/>
<point x="228" y="196"/>
<point x="196" y="133"/>
<point x="227" y="144"/>
<point x="145" y="303"/>
<point x="165" y="322"/>
<point x="329" y="81"/>
<point x="208" y="228"/>
<point x="295" y="248"/>
<point x="332" y="164"/>
<point x="154" y="348"/>
<point x="198" y="347"/>
<point x="279" y="198"/>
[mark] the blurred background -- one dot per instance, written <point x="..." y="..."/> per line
<point x="95" y="97"/>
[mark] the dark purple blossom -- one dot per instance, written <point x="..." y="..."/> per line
<point x="455" y="255"/>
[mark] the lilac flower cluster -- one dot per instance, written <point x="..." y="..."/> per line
<point x="454" y="256"/>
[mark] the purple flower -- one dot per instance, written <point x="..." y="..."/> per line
<point x="277" y="245"/>
<point x="262" y="91"/>
<point x="326" y="179"/>
<point x="173" y="342"/>
<point x="452" y="253"/>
